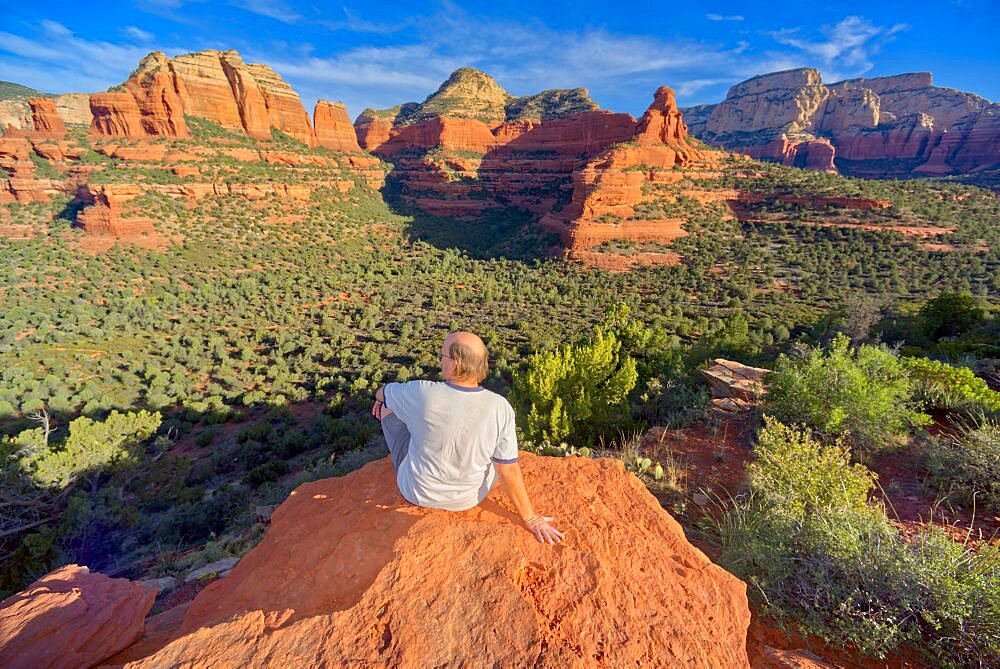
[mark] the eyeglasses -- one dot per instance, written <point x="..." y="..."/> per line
<point x="447" y="356"/>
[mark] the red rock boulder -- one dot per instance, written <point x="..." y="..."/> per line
<point x="350" y="574"/>
<point x="734" y="380"/>
<point x="71" y="618"/>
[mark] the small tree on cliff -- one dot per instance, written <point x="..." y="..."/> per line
<point x="90" y="449"/>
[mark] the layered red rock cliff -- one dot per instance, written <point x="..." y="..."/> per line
<point x="607" y="189"/>
<point x="45" y="118"/>
<point x="104" y="215"/>
<point x="570" y="169"/>
<point x="218" y="87"/>
<point x="882" y="127"/>
<point x="18" y="179"/>
<point x="471" y="146"/>
<point x="333" y="127"/>
<point x="71" y="109"/>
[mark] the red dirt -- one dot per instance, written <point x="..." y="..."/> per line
<point x="714" y="457"/>
<point x="920" y="231"/>
<point x="939" y="246"/>
<point x="769" y="647"/>
<point x="912" y="505"/>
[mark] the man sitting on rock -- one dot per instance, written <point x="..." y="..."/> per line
<point x="450" y="441"/>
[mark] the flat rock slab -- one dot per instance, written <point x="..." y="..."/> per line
<point x="71" y="618"/>
<point x="216" y="569"/>
<point x="736" y="381"/>
<point x="160" y="585"/>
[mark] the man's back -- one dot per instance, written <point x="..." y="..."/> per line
<point x="456" y="433"/>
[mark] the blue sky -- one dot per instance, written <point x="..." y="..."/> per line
<point x="380" y="54"/>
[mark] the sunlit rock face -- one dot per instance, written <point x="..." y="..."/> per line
<point x="351" y="574"/>
<point x="881" y="127"/>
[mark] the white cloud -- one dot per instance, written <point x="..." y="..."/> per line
<point x="41" y="62"/>
<point x="847" y="48"/>
<point x="138" y="34"/>
<point x="692" y="86"/>
<point x="524" y="57"/>
<point x="273" y="9"/>
<point x="720" y="17"/>
<point x="354" y="23"/>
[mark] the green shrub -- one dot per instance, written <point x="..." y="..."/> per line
<point x="577" y="390"/>
<point x="942" y="386"/>
<point x="966" y="465"/>
<point x="268" y="471"/>
<point x="950" y="315"/>
<point x="43" y="168"/>
<point x="957" y="593"/>
<point x="862" y="394"/>
<point x="256" y="432"/>
<point x="818" y="554"/>
<point x="90" y="448"/>
<point x="799" y="475"/>
<point x="195" y="521"/>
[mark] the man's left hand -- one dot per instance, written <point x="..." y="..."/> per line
<point x="544" y="531"/>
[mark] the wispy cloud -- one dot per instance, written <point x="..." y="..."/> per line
<point x="379" y="77"/>
<point x="692" y="86"/>
<point x="408" y="59"/>
<point x="138" y="34"/>
<point x="273" y="9"/>
<point x="720" y="17"/>
<point x="525" y="57"/>
<point x="353" y="22"/>
<point x="40" y="61"/>
<point x="846" y="48"/>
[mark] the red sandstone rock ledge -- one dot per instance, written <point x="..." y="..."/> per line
<point x="71" y="618"/>
<point x="350" y="574"/>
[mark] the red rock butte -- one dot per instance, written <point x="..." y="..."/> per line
<point x="219" y="87"/>
<point x="350" y="574"/>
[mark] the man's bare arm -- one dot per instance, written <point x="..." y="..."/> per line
<point x="379" y="409"/>
<point x="539" y="525"/>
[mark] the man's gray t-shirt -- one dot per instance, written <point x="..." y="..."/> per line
<point x="456" y="434"/>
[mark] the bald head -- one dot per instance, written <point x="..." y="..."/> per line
<point x="464" y="358"/>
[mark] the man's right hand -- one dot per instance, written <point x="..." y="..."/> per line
<point x="544" y="531"/>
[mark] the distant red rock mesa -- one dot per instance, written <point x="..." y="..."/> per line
<point x="893" y="126"/>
